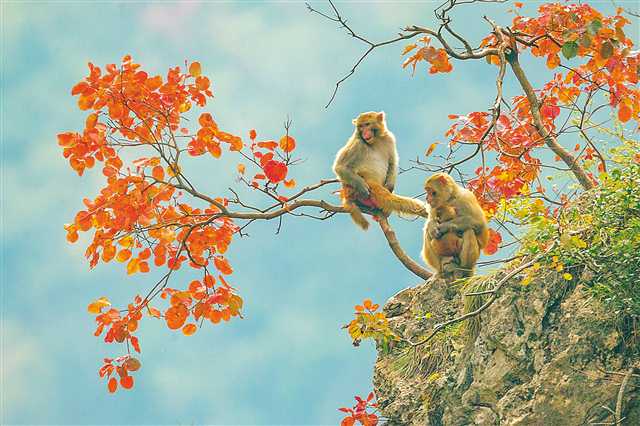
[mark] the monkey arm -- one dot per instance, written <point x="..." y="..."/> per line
<point x="461" y="223"/>
<point x="355" y="181"/>
<point x="469" y="215"/>
<point x="392" y="171"/>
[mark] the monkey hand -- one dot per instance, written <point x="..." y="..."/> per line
<point x="440" y="230"/>
<point x="362" y="190"/>
<point x="432" y="228"/>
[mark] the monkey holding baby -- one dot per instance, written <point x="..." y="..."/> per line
<point x="367" y="167"/>
<point x="457" y="227"/>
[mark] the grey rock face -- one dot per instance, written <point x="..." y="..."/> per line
<point x="543" y="354"/>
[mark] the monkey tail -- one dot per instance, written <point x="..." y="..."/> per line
<point x="356" y="215"/>
<point x="390" y="203"/>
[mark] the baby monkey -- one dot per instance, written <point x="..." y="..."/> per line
<point x="457" y="227"/>
<point x="367" y="167"/>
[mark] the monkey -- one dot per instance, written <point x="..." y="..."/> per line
<point x="367" y="167"/>
<point x="450" y="244"/>
<point x="457" y="226"/>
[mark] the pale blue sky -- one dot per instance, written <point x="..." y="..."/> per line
<point x="288" y="361"/>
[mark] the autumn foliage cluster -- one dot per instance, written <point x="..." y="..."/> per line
<point x="140" y="217"/>
<point x="609" y="68"/>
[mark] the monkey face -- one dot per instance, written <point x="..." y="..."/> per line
<point x="370" y="125"/>
<point x="438" y="189"/>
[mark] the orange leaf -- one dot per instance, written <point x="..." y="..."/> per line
<point x="222" y="265"/>
<point x="133" y="266"/>
<point x="206" y="120"/>
<point x="126" y="382"/>
<point x="135" y="343"/>
<point x="189" y="329"/>
<point x="270" y="145"/>
<point x="408" y="48"/>
<point x="291" y="183"/>
<point x="209" y="281"/>
<point x="145" y="254"/>
<point x="123" y="255"/>
<point x="241" y="168"/>
<point x="112" y="385"/>
<point x="158" y="173"/>
<point x="287" y="143"/>
<point x="367" y="303"/>
<point x="348" y="421"/>
<point x="194" y="69"/>
<point x="252" y="134"/>
<point x="175" y="316"/>
<point x="214" y="150"/>
<point x="72" y="236"/>
<point x="202" y="83"/>
<point x="624" y="113"/>
<point x="79" y="88"/>
<point x="553" y="61"/>
<point x="108" y="253"/>
<point x="96" y="306"/>
<point x="66" y="140"/>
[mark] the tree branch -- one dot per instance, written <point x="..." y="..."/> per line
<point x="623" y="385"/>
<point x="372" y="46"/>
<point x="549" y="138"/>
<point x="409" y="263"/>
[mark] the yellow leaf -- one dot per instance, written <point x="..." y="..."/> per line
<point x="126" y="242"/>
<point x="96" y="306"/>
<point x="409" y="48"/>
<point x="123" y="255"/>
<point x="430" y="149"/>
<point x="189" y="329"/>
<point x="184" y="107"/>
<point x="133" y="266"/>
<point x="567" y="276"/>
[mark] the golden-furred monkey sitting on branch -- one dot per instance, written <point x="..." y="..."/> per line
<point x="457" y="227"/>
<point x="367" y="166"/>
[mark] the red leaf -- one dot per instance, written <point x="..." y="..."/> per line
<point x="126" y="382"/>
<point x="494" y="240"/>
<point x="222" y="265"/>
<point x="270" y="145"/>
<point x="348" y="421"/>
<point x="112" y="384"/>
<point x="135" y="343"/>
<point x="275" y="171"/>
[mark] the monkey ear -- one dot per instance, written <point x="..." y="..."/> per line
<point x="354" y="121"/>
<point x="380" y="116"/>
<point x="442" y="179"/>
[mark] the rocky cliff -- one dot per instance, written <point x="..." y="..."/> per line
<point x="546" y="353"/>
